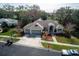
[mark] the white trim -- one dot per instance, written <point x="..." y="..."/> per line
<point x="59" y="27"/>
<point x="50" y="24"/>
<point x="39" y="25"/>
<point x="30" y="31"/>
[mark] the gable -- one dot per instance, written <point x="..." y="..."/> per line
<point x="36" y="26"/>
<point x="59" y="26"/>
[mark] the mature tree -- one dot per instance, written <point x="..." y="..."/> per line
<point x="63" y="15"/>
<point x="20" y="8"/>
<point x="69" y="28"/>
<point x="8" y="7"/>
<point x="67" y="17"/>
<point x="24" y="13"/>
<point x="75" y="17"/>
<point x="28" y="16"/>
<point x="44" y="15"/>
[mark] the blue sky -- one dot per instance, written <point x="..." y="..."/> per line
<point x="47" y="5"/>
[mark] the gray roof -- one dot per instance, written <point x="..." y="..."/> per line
<point x="8" y="20"/>
<point x="43" y="23"/>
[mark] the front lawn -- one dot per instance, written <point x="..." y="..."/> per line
<point x="10" y="32"/>
<point x="6" y="33"/>
<point x="63" y="39"/>
<point x="58" y="47"/>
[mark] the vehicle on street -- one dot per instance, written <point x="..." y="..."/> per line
<point x="70" y="52"/>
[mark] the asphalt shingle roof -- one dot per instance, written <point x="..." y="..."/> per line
<point x="43" y="23"/>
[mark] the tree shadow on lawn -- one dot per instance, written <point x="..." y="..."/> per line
<point x="18" y="50"/>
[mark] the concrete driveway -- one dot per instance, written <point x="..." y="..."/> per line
<point x="32" y="42"/>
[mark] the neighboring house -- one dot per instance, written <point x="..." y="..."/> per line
<point x="8" y="21"/>
<point x="40" y="25"/>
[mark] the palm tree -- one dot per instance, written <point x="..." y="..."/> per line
<point x="69" y="28"/>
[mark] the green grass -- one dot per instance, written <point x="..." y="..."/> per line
<point x="5" y="39"/>
<point x="6" y="33"/>
<point x="1" y="39"/>
<point x="58" y="47"/>
<point x="63" y="39"/>
<point x="10" y="32"/>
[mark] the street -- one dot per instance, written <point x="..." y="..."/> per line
<point x="17" y="50"/>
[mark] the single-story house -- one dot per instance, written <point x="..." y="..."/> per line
<point x="51" y="26"/>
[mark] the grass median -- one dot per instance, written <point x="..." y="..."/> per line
<point x="58" y="47"/>
<point x="5" y="39"/>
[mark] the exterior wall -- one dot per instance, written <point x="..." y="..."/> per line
<point x="58" y="31"/>
<point x="27" y="31"/>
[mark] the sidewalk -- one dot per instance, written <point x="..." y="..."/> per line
<point x="54" y="39"/>
<point x="9" y="36"/>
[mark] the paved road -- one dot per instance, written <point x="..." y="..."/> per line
<point x="16" y="50"/>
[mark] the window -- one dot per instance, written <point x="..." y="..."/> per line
<point x="59" y="30"/>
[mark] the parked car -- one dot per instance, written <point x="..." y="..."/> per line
<point x="70" y="52"/>
<point x="8" y="22"/>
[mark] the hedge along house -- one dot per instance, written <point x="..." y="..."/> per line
<point x="40" y="25"/>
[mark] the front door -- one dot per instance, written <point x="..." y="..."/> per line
<point x="51" y="29"/>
